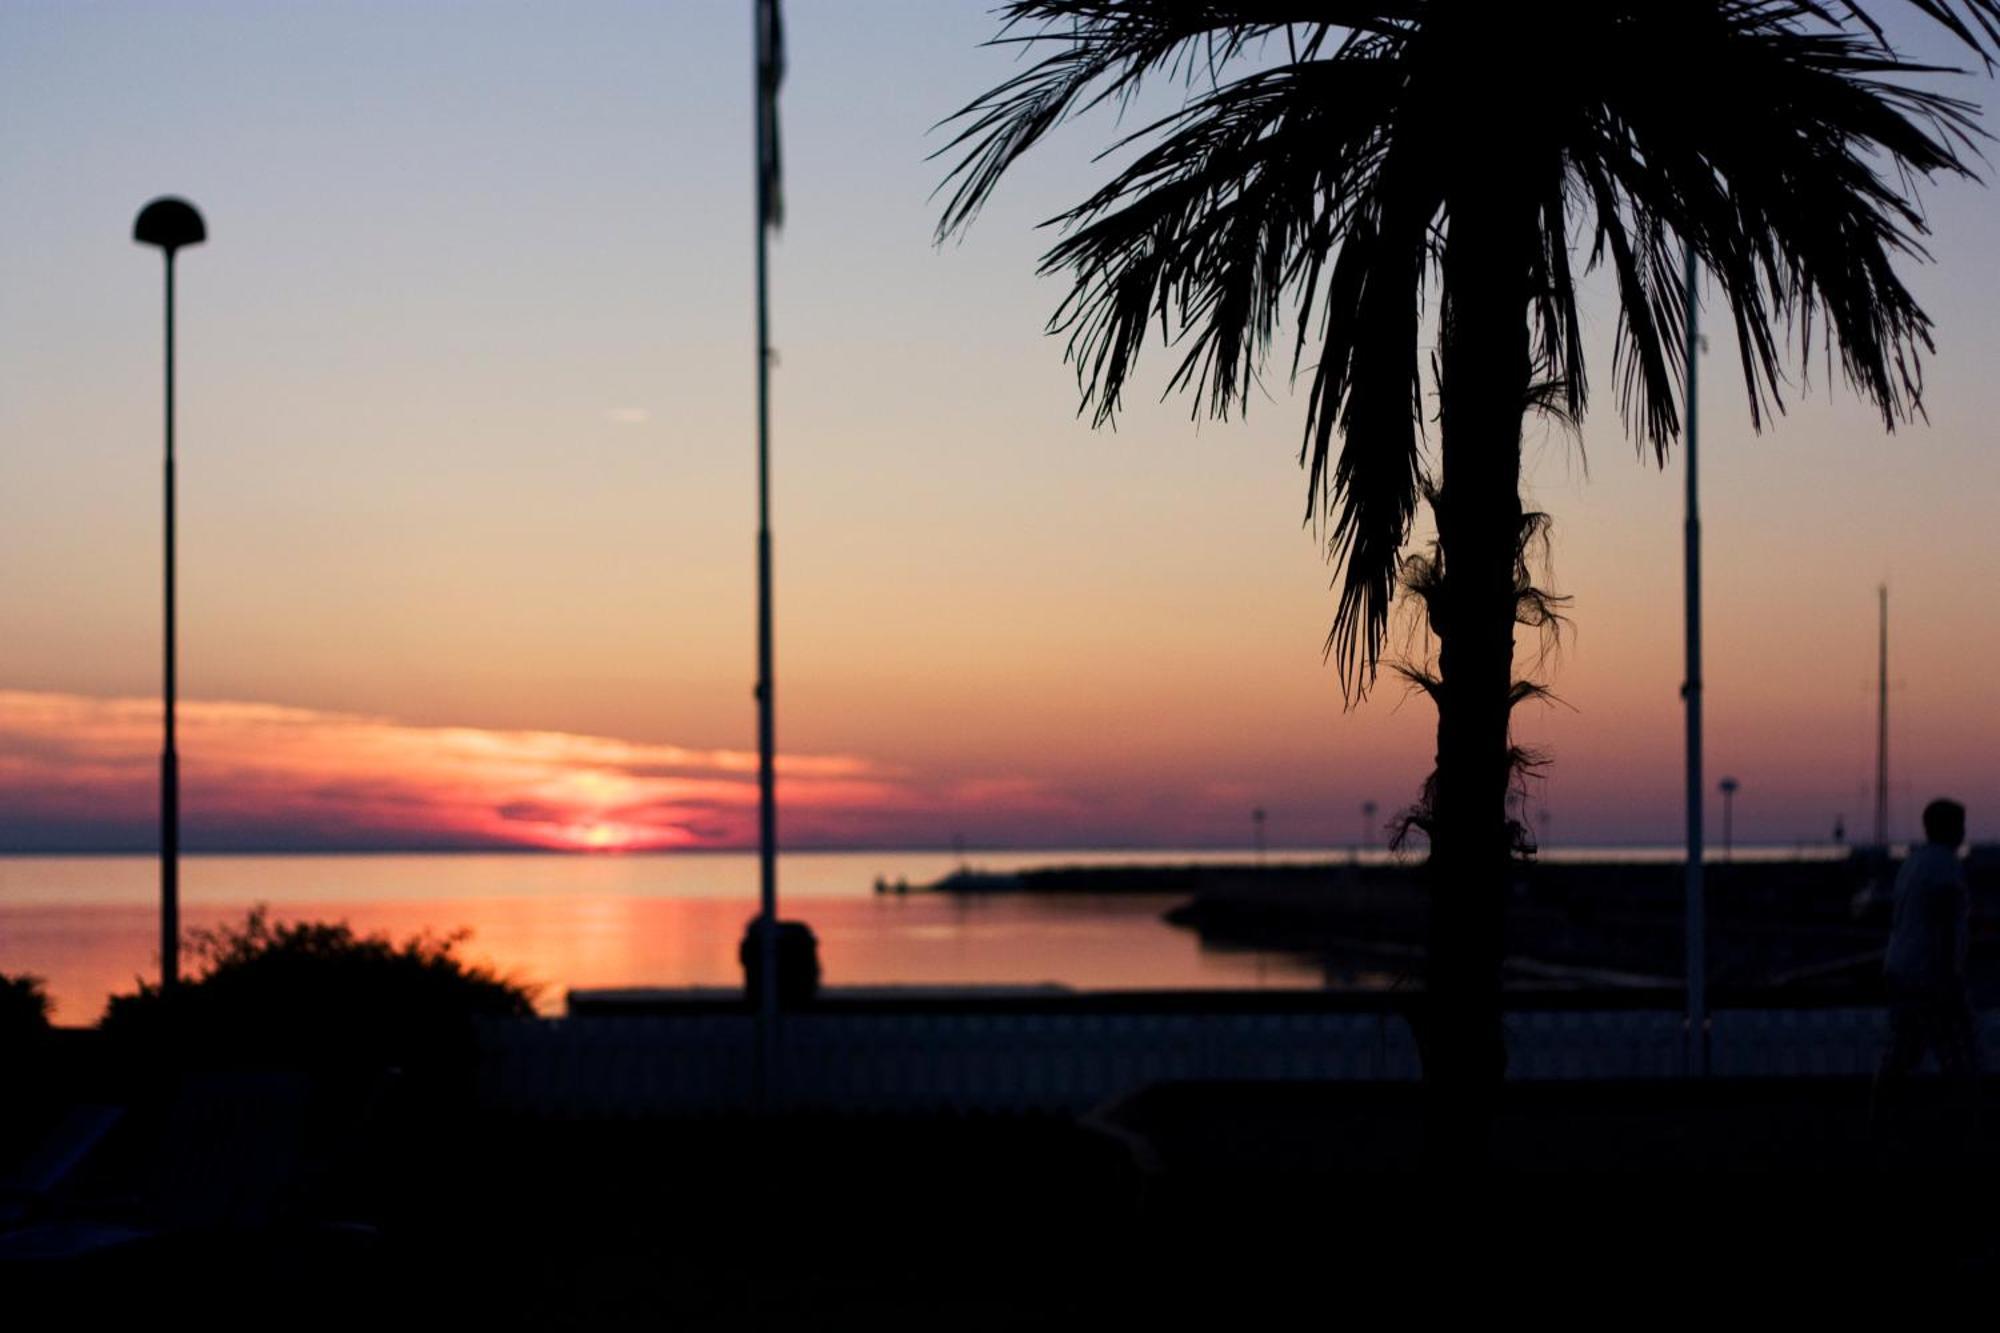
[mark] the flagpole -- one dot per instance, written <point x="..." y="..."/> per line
<point x="767" y="809"/>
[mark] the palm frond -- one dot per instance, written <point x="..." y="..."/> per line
<point x="1223" y="229"/>
<point x="1974" y="22"/>
<point x="1793" y="177"/>
<point x="1312" y="189"/>
<point x="1104" y="51"/>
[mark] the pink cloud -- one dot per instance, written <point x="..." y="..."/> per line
<point x="82" y="772"/>
<point x="263" y="774"/>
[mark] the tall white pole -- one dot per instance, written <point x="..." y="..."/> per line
<point x="1697" y="925"/>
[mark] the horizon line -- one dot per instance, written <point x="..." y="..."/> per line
<point x="1343" y="850"/>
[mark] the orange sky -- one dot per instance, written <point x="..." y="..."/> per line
<point x="77" y="770"/>
<point x="467" y="482"/>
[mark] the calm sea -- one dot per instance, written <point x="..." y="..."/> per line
<point x="88" y="924"/>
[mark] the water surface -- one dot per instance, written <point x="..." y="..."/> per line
<point x="88" y="925"/>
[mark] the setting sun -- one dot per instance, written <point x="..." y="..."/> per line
<point x="605" y="837"/>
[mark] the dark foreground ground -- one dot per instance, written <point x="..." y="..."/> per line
<point x="1230" y="1206"/>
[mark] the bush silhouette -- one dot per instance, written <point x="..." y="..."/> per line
<point x="313" y="995"/>
<point x="24" y="1009"/>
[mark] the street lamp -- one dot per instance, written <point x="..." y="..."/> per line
<point x="169" y="223"/>
<point x="1728" y="810"/>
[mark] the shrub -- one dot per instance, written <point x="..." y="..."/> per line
<point x="315" y="994"/>
<point x="24" y="1009"/>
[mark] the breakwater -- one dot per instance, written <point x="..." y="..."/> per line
<point x="1814" y="924"/>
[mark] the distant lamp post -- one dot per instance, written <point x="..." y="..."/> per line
<point x="169" y="223"/>
<point x="1368" y="809"/>
<point x="1257" y="828"/>
<point x="1729" y="786"/>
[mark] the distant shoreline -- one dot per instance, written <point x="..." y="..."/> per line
<point x="1642" y="852"/>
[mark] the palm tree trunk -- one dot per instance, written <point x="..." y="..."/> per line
<point x="1483" y="385"/>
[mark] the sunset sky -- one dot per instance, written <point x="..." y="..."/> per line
<point x="467" y="478"/>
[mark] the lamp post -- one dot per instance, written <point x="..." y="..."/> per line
<point x="169" y="223"/>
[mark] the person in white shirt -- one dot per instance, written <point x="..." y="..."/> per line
<point x="1924" y="967"/>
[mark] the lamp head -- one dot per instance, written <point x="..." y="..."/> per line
<point x="169" y="222"/>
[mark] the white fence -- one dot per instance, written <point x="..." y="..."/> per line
<point x="914" y="1060"/>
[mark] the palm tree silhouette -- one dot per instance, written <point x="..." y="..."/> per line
<point x="1341" y="171"/>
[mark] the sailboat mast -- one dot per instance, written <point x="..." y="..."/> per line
<point x="1882" y="723"/>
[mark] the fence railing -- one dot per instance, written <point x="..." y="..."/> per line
<point x="1043" y="1055"/>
